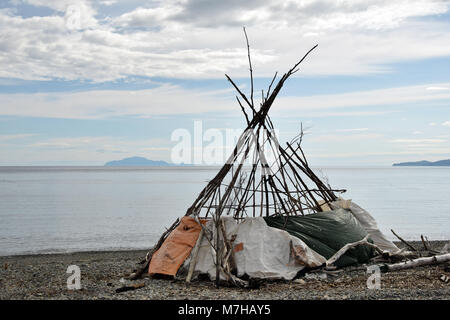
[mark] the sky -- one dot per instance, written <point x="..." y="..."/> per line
<point x="85" y="82"/>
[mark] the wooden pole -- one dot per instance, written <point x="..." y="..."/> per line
<point x="218" y="251"/>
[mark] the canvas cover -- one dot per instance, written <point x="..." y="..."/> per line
<point x="176" y="248"/>
<point x="368" y="223"/>
<point x="259" y="251"/>
<point x="326" y="233"/>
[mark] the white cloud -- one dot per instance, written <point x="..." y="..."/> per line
<point x="390" y="96"/>
<point x="170" y="99"/>
<point x="76" y="142"/>
<point x="363" y="154"/>
<point x="345" y="138"/>
<point x="108" y="2"/>
<point x="99" y="147"/>
<point x="446" y="123"/>
<point x="147" y="17"/>
<point x="83" y="151"/>
<point x="198" y="39"/>
<point x="110" y="103"/>
<point x="314" y="15"/>
<point x="9" y="137"/>
<point x="437" y="88"/>
<point x="352" y="130"/>
<point x="419" y="141"/>
<point x="323" y="114"/>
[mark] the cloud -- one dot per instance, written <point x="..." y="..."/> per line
<point x="108" y="2"/>
<point x="9" y="137"/>
<point x="102" y="144"/>
<point x="446" y="123"/>
<point x="147" y="17"/>
<point x="418" y="141"/>
<point x="171" y="99"/>
<point x="437" y="88"/>
<point x="63" y="143"/>
<point x="164" y="100"/>
<point x="390" y="96"/>
<point x="203" y="39"/>
<point x="363" y="154"/>
<point x="341" y="113"/>
<point x="345" y="138"/>
<point x="352" y="130"/>
<point x="313" y="15"/>
<point x="86" y="150"/>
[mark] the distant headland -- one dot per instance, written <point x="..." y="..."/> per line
<point x="137" y="162"/>
<point x="424" y="163"/>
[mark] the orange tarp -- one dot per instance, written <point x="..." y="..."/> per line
<point x="176" y="248"/>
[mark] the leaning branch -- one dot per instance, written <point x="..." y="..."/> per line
<point x="241" y="93"/>
<point x="243" y="110"/>
<point x="348" y="246"/>
<point x="404" y="241"/>
<point x="294" y="68"/>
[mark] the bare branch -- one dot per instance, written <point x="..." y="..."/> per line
<point x="250" y="66"/>
<point x="243" y="110"/>
<point x="271" y="83"/>
<point x="241" y="94"/>
<point x="294" y="68"/>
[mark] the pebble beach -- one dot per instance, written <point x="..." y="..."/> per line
<point x="44" y="277"/>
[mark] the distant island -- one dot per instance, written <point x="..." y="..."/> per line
<point x="424" y="163"/>
<point x="137" y="162"/>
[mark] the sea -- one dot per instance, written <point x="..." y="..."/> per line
<point x="68" y="209"/>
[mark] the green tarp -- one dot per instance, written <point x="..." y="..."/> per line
<point x="326" y="233"/>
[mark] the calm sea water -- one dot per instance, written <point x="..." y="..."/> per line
<point x="59" y="209"/>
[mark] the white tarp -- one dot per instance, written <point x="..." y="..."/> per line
<point x="368" y="223"/>
<point x="260" y="251"/>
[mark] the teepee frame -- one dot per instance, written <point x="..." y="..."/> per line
<point x="285" y="187"/>
<point x="292" y="189"/>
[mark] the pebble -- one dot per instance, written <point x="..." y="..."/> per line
<point x="300" y="281"/>
<point x="45" y="277"/>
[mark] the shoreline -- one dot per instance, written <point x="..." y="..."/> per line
<point x="435" y="244"/>
<point x="48" y="254"/>
<point x="43" y="276"/>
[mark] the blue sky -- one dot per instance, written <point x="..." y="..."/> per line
<point x="84" y="82"/>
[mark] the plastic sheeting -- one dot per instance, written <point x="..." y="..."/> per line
<point x="259" y="251"/>
<point x="326" y="233"/>
<point x="176" y="248"/>
<point x="368" y="223"/>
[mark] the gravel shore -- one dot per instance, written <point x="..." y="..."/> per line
<point x="45" y="277"/>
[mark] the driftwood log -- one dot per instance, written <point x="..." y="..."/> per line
<point x="437" y="259"/>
